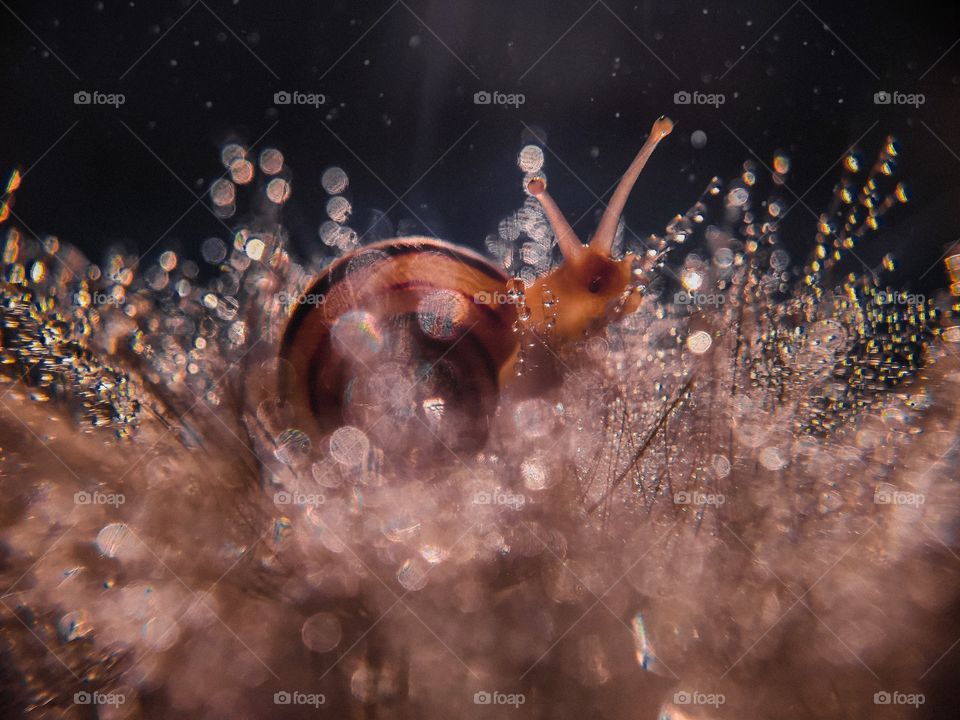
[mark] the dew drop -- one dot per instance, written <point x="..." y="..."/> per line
<point x="223" y="193"/>
<point x="292" y="446"/>
<point x="321" y="632"/>
<point x="442" y="314"/>
<point x="339" y="209"/>
<point x="772" y="459"/>
<point x="412" y="575"/>
<point x="168" y="260"/>
<point x="241" y="172"/>
<point x="271" y="161"/>
<point x="254" y="249"/>
<point x="779" y="260"/>
<point x="530" y="159"/>
<point x="534" y="475"/>
<point x="334" y="180"/>
<point x="349" y="446"/>
<point x="278" y="191"/>
<point x="699" y="342"/>
<point x="231" y="153"/>
<point x="737" y="197"/>
<point x="721" y="466"/>
<point x="214" y="250"/>
<point x="112" y="538"/>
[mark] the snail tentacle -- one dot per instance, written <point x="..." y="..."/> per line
<point x="602" y="241"/>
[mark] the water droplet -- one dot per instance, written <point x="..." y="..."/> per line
<point x="530" y="159"/>
<point x="321" y="632"/>
<point x="721" y="466"/>
<point x="737" y="197"/>
<point x="231" y="153"/>
<point x="271" y="161"/>
<point x="292" y="446"/>
<point x="168" y="260"/>
<point x="779" y="260"/>
<point x="241" y="172"/>
<point x="112" y="538"/>
<point x="339" y="209"/>
<point x="412" y="575"/>
<point x="699" y="342"/>
<point x="534" y="475"/>
<point x="254" y="248"/>
<point x="278" y="191"/>
<point x="349" y="446"/>
<point x="442" y="314"/>
<point x="334" y="180"/>
<point x="214" y="250"/>
<point x="223" y="193"/>
<point x="772" y="459"/>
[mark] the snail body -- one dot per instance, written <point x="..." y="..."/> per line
<point x="415" y="337"/>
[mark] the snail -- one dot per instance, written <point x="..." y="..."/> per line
<point x="414" y="338"/>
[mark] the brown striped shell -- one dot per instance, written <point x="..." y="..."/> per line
<point x="402" y="344"/>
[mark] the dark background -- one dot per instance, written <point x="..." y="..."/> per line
<point x="399" y="80"/>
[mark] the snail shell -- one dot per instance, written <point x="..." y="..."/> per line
<point x="411" y="339"/>
<point x="400" y="345"/>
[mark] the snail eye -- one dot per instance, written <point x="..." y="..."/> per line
<point x="599" y="274"/>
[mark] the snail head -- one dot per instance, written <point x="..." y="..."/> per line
<point x="589" y="286"/>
